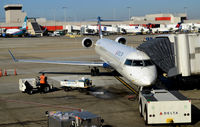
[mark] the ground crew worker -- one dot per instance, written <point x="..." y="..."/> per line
<point x="42" y="79"/>
<point x="43" y="82"/>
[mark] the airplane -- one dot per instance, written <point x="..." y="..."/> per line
<point x="134" y="29"/>
<point x="131" y="63"/>
<point x="17" y="32"/>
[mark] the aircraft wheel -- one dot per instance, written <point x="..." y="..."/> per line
<point x="97" y="71"/>
<point x="92" y="72"/>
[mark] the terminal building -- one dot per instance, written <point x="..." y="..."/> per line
<point x="159" y="19"/>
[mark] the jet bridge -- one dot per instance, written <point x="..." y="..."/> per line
<point x="175" y="54"/>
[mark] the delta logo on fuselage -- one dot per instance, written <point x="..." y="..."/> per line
<point x="119" y="53"/>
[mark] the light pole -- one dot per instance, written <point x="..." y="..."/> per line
<point x="129" y="13"/>
<point x="65" y="17"/>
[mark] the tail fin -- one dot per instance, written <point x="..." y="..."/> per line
<point x="178" y="25"/>
<point x="24" y="24"/>
<point x="99" y="25"/>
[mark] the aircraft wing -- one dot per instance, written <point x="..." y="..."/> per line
<point x="81" y="63"/>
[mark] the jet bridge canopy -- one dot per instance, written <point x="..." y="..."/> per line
<point x="161" y="52"/>
<point x="175" y="53"/>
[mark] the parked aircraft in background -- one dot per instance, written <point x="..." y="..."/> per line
<point x="131" y="63"/>
<point x="133" y="29"/>
<point x="17" y="32"/>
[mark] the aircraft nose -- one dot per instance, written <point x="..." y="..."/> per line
<point x="148" y="81"/>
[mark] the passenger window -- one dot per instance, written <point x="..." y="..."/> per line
<point x="128" y="62"/>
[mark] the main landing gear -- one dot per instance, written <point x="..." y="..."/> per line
<point x="94" y="71"/>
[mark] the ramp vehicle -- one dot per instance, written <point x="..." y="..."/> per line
<point x="29" y="85"/>
<point x="73" y="119"/>
<point x="81" y="85"/>
<point x="164" y="107"/>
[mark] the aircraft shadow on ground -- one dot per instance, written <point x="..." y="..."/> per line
<point x="179" y="84"/>
<point x="83" y="73"/>
<point x="52" y="90"/>
<point x="22" y="123"/>
<point x="195" y="115"/>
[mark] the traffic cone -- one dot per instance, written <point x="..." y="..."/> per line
<point x="5" y="73"/>
<point x="1" y="73"/>
<point x="15" y="72"/>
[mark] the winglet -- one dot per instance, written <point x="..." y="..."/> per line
<point x="12" y="56"/>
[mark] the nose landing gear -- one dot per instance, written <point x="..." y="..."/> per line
<point x="94" y="71"/>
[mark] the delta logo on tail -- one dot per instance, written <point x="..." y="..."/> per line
<point x="179" y="26"/>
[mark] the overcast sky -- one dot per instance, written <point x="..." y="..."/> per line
<point x="89" y="9"/>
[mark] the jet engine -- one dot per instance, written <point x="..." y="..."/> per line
<point x="87" y="42"/>
<point x="121" y="40"/>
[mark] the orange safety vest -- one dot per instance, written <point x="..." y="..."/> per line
<point x="42" y="79"/>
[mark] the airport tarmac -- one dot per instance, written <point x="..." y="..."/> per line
<point x="22" y="110"/>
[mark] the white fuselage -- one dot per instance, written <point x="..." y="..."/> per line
<point x="116" y="55"/>
<point x="15" y="31"/>
<point x="11" y="31"/>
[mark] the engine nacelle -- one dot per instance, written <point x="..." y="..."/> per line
<point x="87" y="42"/>
<point x="121" y="40"/>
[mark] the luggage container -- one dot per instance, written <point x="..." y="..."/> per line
<point x="73" y="119"/>
<point x="82" y="84"/>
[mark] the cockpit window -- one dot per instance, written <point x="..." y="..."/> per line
<point x="138" y="63"/>
<point x="128" y="62"/>
<point x="148" y="63"/>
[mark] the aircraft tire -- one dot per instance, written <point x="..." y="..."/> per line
<point x="97" y="71"/>
<point x="92" y="72"/>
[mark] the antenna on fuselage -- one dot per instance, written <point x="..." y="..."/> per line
<point x="99" y="25"/>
